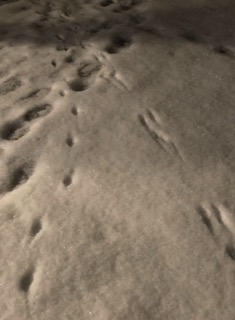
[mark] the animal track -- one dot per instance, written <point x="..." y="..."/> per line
<point x="69" y="141"/>
<point x="16" y="177"/>
<point x="69" y="59"/>
<point x="118" y="42"/>
<point x="20" y="176"/>
<point x="86" y="72"/>
<point x="53" y="63"/>
<point x="36" y="93"/>
<point x="35" y="227"/>
<point x="205" y="218"/>
<point x="38" y="112"/>
<point x="151" y="121"/>
<point x="74" y="111"/>
<point x="225" y="217"/>
<point x="67" y="180"/>
<point x="219" y="217"/>
<point x="10" y="85"/>
<point x="26" y="280"/>
<point x="230" y="250"/>
<point x="77" y="85"/>
<point x="88" y="68"/>
<point x="16" y="129"/>
<point x="224" y="51"/>
<point x="13" y="130"/>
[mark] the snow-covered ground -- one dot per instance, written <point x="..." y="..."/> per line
<point x="117" y="149"/>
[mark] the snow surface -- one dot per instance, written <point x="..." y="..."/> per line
<point x="117" y="171"/>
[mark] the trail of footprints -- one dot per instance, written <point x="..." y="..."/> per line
<point x="220" y="49"/>
<point x="152" y="123"/>
<point x="86" y="74"/>
<point x="13" y="130"/>
<point x="187" y="34"/>
<point x="28" y="276"/>
<point x="221" y="224"/>
<point x="19" y="175"/>
<point x="89" y="69"/>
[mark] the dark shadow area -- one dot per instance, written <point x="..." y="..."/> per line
<point x="65" y="24"/>
<point x="205" y="24"/>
